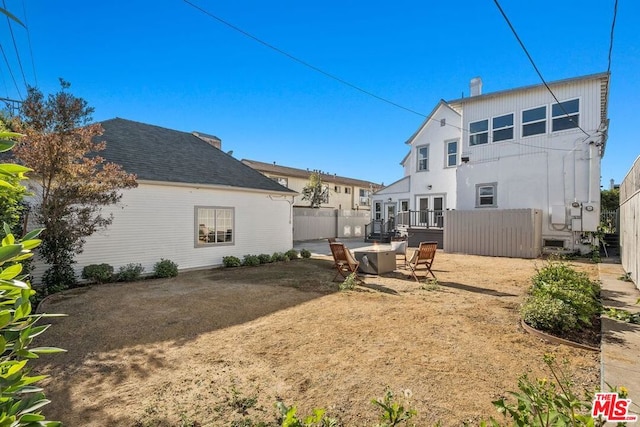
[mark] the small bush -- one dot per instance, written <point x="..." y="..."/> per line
<point x="349" y="283"/>
<point x="292" y="254"/>
<point x="98" y="273"/>
<point x="251" y="260"/>
<point x="165" y="268"/>
<point x="231" y="261"/>
<point x="546" y="313"/>
<point x="305" y="253"/>
<point x="264" y="258"/>
<point x="278" y="256"/>
<point x="130" y="272"/>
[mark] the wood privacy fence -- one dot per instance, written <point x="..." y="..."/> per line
<point x="311" y="224"/>
<point x="515" y="233"/>
<point x="630" y="223"/>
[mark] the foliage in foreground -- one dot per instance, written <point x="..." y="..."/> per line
<point x="21" y="399"/>
<point x="165" y="268"/>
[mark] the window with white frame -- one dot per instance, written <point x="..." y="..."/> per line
<point x="347" y="190"/>
<point x="502" y="127"/>
<point x="452" y="153"/>
<point x="479" y="132"/>
<point x="364" y="197"/>
<point x="404" y="206"/>
<point x="565" y="115"/>
<point x="214" y="225"/>
<point x="534" y="121"/>
<point x="337" y="188"/>
<point x="423" y="157"/>
<point x="486" y="195"/>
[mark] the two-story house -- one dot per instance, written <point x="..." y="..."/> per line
<point x="534" y="147"/>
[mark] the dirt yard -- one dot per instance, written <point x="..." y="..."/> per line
<point x="212" y="347"/>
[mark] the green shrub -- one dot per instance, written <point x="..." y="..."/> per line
<point x="231" y="261"/>
<point x="305" y="253"/>
<point x="165" y="268"/>
<point x="251" y="260"/>
<point x="292" y="254"/>
<point x="130" y="272"/>
<point x="264" y="258"/>
<point x="349" y="283"/>
<point x="278" y="256"/>
<point x="561" y="299"/>
<point x="99" y="273"/>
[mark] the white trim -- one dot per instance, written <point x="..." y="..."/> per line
<point x="418" y="159"/>
<point x="494" y="186"/>
<point x="216" y="187"/>
<point x="563" y="115"/>
<point x="512" y="127"/>
<point x="446" y="153"/>
<point x="545" y="120"/>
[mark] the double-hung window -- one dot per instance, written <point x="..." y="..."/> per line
<point x="452" y="153"/>
<point x="486" y="195"/>
<point x="479" y="132"/>
<point x="423" y="157"/>
<point x="534" y="121"/>
<point x="502" y="127"/>
<point x="214" y="225"/>
<point x="565" y="115"/>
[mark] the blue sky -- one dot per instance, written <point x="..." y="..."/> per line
<point x="168" y="64"/>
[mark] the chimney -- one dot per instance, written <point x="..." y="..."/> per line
<point x="209" y="139"/>
<point x="612" y="184"/>
<point x="476" y="86"/>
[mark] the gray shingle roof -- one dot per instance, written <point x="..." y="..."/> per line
<point x="158" y="154"/>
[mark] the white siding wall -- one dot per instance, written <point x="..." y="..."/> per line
<point x="630" y="222"/>
<point x="541" y="171"/>
<point x="158" y="221"/>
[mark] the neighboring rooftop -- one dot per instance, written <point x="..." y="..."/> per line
<point x="285" y="171"/>
<point x="155" y="153"/>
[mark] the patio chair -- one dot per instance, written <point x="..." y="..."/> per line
<point x="343" y="261"/>
<point x="423" y="256"/>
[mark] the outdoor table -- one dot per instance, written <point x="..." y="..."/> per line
<point x="376" y="259"/>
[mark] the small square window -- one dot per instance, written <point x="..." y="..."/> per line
<point x="486" y="195"/>
<point x="479" y="132"/>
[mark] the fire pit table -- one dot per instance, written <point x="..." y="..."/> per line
<point x="377" y="259"/>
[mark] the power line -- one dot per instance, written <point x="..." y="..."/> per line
<point x="613" y="26"/>
<point x="513" y="30"/>
<point x="26" y="23"/>
<point x="10" y="71"/>
<point x="300" y="61"/>
<point x="15" y="46"/>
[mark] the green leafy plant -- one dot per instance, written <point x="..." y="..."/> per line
<point x="251" y="260"/>
<point x="561" y="299"/>
<point x="622" y="315"/>
<point x="130" y="272"/>
<point x="430" y="284"/>
<point x="98" y="273"/>
<point x="165" y="268"/>
<point x="21" y="400"/>
<point x="546" y="402"/>
<point x="231" y="261"/>
<point x="626" y="277"/>
<point x="292" y="254"/>
<point x="289" y="417"/>
<point x="394" y="412"/>
<point x="349" y="283"/>
<point x="304" y="253"/>
<point x="264" y="258"/>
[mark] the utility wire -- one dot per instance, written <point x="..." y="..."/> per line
<point x="513" y="30"/>
<point x="10" y="71"/>
<point x="306" y="64"/>
<point x="613" y="26"/>
<point x="33" y="63"/>
<point x="15" y="46"/>
<point x="300" y="61"/>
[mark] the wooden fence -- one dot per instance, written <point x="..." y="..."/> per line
<point x="311" y="224"/>
<point x="630" y="223"/>
<point x="515" y="233"/>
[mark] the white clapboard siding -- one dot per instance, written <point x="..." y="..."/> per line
<point x="630" y="223"/>
<point x="512" y="233"/>
<point x="158" y="221"/>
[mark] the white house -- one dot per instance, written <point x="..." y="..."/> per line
<point x="194" y="204"/>
<point x="514" y="149"/>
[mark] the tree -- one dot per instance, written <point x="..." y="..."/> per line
<point x="610" y="199"/>
<point x="70" y="181"/>
<point x="315" y="191"/>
